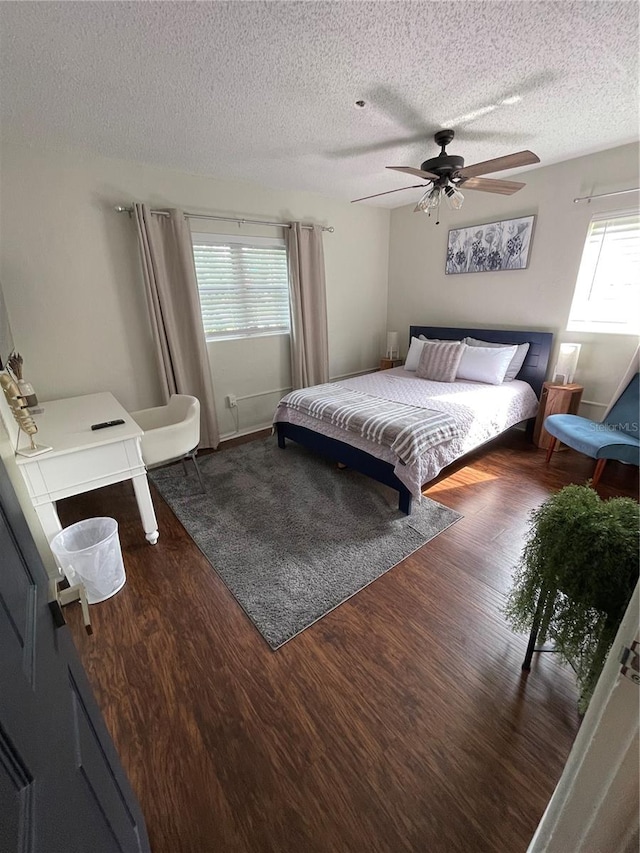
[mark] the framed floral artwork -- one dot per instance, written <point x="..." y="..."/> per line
<point x="488" y="248"/>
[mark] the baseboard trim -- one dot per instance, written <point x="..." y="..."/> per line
<point x="242" y="433"/>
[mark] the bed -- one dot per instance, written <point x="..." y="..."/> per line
<point x="471" y="413"/>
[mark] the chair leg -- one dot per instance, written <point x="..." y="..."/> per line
<point x="598" y="472"/>
<point x="552" y="444"/>
<point x="198" y="472"/>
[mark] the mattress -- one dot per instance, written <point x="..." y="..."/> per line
<point x="481" y="411"/>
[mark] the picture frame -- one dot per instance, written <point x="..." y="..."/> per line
<point x="493" y="247"/>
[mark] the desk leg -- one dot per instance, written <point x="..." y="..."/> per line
<point x="145" y="506"/>
<point x="50" y="524"/>
<point x="49" y="520"/>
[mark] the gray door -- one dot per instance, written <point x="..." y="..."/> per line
<point x="62" y="788"/>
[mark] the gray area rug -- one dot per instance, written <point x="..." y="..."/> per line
<point x="290" y="534"/>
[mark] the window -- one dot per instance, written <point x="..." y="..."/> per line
<point x="607" y="294"/>
<point x="243" y="285"/>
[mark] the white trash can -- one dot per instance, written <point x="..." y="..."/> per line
<point x="89" y="551"/>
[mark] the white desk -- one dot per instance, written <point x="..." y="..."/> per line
<point x="81" y="459"/>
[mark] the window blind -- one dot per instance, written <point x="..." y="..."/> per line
<point x="607" y="294"/>
<point x="243" y="285"/>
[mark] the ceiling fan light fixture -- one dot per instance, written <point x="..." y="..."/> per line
<point x="454" y="197"/>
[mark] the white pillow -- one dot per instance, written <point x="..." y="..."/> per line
<point x="485" y="364"/>
<point x="413" y="356"/>
<point x="516" y="362"/>
<point x="415" y="350"/>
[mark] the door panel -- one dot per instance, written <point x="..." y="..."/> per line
<point x="16" y="796"/>
<point x="17" y="599"/>
<point x="62" y="788"/>
<point x="97" y="773"/>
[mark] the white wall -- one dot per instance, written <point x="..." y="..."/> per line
<point x="70" y="274"/>
<point x="536" y="298"/>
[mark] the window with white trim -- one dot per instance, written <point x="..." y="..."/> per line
<point x="243" y="285"/>
<point x="607" y="293"/>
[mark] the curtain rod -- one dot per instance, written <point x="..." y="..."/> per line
<point x="588" y="198"/>
<point x="122" y="209"/>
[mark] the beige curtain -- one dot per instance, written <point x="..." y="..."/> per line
<point x="174" y="306"/>
<point x="307" y="298"/>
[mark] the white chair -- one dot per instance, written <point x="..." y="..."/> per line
<point x="171" y="432"/>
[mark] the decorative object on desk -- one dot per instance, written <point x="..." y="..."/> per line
<point x="567" y="363"/>
<point x="575" y="577"/>
<point x="393" y="347"/>
<point x="14" y="363"/>
<point x="291" y="536"/>
<point x="22" y="415"/>
<point x="496" y="246"/>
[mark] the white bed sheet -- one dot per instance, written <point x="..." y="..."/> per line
<point x="482" y="411"/>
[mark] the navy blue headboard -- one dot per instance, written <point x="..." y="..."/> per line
<point x="534" y="369"/>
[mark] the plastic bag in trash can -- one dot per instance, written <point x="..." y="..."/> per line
<point x="89" y="551"/>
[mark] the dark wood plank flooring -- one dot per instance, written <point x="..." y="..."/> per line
<point x="399" y="722"/>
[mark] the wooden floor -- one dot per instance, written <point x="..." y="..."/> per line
<point x="399" y="722"/>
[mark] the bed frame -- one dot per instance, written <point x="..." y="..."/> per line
<point x="533" y="371"/>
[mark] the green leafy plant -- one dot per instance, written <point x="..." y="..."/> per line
<point x="579" y="566"/>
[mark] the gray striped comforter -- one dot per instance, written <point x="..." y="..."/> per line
<point x="408" y="430"/>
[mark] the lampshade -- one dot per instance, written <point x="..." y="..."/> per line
<point x="567" y="363"/>
<point x="454" y="197"/>
<point x="429" y="200"/>
<point x="393" y="347"/>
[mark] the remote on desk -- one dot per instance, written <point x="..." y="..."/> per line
<point x="105" y="424"/>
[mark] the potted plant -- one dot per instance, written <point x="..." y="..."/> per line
<point x="575" y="577"/>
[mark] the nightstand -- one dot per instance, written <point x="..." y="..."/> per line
<point x="555" y="400"/>
<point x="387" y="363"/>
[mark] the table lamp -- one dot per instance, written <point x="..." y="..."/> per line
<point x="393" y="347"/>
<point x="567" y="363"/>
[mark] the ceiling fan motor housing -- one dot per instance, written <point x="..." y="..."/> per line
<point x="444" y="165"/>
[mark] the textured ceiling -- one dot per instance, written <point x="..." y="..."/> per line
<point x="265" y="91"/>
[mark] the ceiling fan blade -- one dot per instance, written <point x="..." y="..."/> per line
<point x="375" y="195"/>
<point x="510" y="161"/>
<point x="489" y="185"/>
<point x="428" y="176"/>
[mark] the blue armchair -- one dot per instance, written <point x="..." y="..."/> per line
<point x="617" y="437"/>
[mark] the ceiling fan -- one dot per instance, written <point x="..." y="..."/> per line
<point x="447" y="173"/>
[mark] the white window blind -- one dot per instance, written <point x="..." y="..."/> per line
<point x="607" y="293"/>
<point x="243" y="285"/>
